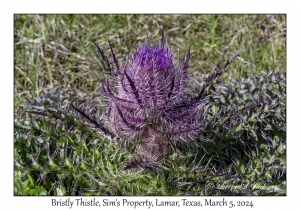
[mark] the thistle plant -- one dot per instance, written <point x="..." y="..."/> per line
<point x="148" y="100"/>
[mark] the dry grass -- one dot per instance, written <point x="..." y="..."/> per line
<point x="58" y="50"/>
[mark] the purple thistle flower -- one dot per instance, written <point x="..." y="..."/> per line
<point x="148" y="101"/>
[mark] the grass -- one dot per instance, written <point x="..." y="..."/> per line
<point x="58" y="51"/>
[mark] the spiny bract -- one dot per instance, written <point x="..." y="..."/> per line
<point x="148" y="101"/>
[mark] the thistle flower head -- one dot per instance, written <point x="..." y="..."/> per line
<point x="147" y="99"/>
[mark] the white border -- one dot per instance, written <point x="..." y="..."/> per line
<point x="8" y="201"/>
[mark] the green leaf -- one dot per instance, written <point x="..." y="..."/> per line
<point x="268" y="175"/>
<point x="60" y="190"/>
<point x="52" y="165"/>
<point x="68" y="164"/>
<point x="19" y="166"/>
